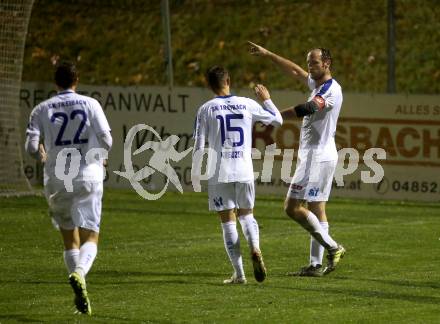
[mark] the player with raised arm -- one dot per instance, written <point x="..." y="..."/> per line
<point x="317" y="155"/>
<point x="225" y="123"/>
<point x="77" y="123"/>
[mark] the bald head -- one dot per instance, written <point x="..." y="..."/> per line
<point x="323" y="53"/>
<point x="319" y="61"/>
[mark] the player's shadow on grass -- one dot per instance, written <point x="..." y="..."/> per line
<point x="118" y="274"/>
<point x="405" y="283"/>
<point x="153" y="211"/>
<point x="23" y="319"/>
<point x="151" y="277"/>
<point x="371" y="294"/>
<point x="18" y="318"/>
<point x="34" y="282"/>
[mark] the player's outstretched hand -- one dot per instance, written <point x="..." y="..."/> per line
<point x="261" y="92"/>
<point x="257" y="49"/>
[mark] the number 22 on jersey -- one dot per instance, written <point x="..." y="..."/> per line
<point x="65" y="119"/>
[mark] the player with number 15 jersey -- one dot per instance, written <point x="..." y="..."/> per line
<point x="225" y="123"/>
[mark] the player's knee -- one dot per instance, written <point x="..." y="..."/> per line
<point x="69" y="245"/>
<point x="87" y="235"/>
<point x="292" y="209"/>
<point x="287" y="210"/>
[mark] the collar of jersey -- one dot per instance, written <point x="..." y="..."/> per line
<point x="328" y="81"/>
<point x="224" y="97"/>
<point x="65" y="91"/>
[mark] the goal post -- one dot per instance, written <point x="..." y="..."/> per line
<point x="14" y="20"/>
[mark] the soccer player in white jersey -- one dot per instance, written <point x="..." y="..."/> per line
<point x="76" y="122"/>
<point x="317" y="156"/>
<point x="225" y="123"/>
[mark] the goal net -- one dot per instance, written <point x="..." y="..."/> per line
<point x="14" y="19"/>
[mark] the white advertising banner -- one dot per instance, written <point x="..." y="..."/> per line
<point x="406" y="127"/>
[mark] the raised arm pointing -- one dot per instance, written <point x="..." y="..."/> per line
<point x="287" y="66"/>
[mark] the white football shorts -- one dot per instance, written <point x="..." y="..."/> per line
<point x="224" y="196"/>
<point x="80" y="208"/>
<point x="312" y="180"/>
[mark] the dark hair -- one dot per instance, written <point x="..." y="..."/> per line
<point x="65" y="74"/>
<point x="326" y="55"/>
<point x="216" y="76"/>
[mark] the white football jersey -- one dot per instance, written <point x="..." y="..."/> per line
<point x="70" y="120"/>
<point x="226" y="122"/>
<point x="318" y="130"/>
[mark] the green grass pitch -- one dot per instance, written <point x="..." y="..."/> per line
<point x="164" y="262"/>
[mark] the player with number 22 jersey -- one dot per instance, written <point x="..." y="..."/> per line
<point x="69" y="120"/>
<point x="75" y="135"/>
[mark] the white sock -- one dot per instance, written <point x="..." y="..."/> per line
<point x="312" y="225"/>
<point x="71" y="258"/>
<point x="316" y="249"/>
<point x="87" y="254"/>
<point x="251" y="231"/>
<point x="232" y="246"/>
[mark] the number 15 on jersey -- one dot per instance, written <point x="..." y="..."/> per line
<point x="226" y="128"/>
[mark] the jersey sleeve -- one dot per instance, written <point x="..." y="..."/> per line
<point x="268" y="114"/>
<point x="325" y="98"/>
<point x="34" y="127"/>
<point x="200" y="129"/>
<point x="34" y="131"/>
<point x="98" y="121"/>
